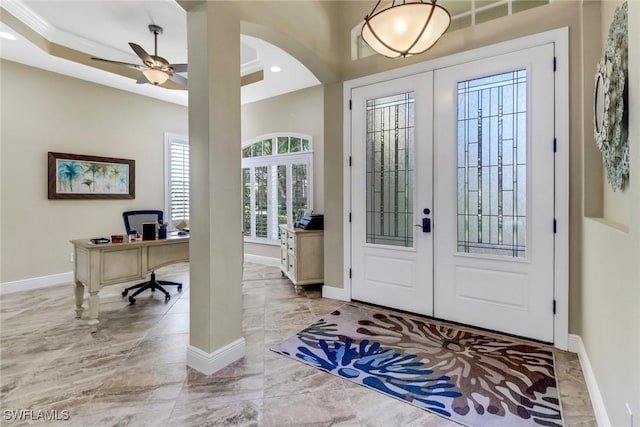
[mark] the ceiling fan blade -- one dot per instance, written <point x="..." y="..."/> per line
<point x="126" y="64"/>
<point x="148" y="61"/>
<point x="179" y="79"/>
<point x="179" y="68"/>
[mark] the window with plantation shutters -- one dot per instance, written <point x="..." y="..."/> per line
<point x="277" y="173"/>
<point x="177" y="179"/>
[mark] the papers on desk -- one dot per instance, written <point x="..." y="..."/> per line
<point x="99" y="241"/>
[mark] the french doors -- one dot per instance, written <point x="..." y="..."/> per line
<point x="482" y="165"/>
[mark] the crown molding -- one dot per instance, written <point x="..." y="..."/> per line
<point x="24" y="13"/>
<point x="63" y="38"/>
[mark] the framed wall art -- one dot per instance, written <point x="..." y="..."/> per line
<point x="610" y="110"/>
<point x="76" y="176"/>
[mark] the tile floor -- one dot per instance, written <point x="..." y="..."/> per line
<point x="133" y="371"/>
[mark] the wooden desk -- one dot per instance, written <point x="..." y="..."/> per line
<point x="111" y="263"/>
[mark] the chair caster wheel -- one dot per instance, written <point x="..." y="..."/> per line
<point x="124" y="293"/>
<point x="167" y="298"/>
<point x="179" y="288"/>
<point x="132" y="300"/>
<point x="153" y="289"/>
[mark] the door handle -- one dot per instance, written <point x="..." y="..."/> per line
<point x="426" y="222"/>
<point x="426" y="225"/>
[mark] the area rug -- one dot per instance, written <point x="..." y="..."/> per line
<point x="468" y="377"/>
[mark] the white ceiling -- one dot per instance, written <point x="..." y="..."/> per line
<point x="104" y="29"/>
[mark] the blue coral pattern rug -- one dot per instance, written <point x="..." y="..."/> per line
<point x="467" y="377"/>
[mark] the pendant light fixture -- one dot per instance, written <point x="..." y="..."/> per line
<point x="405" y="27"/>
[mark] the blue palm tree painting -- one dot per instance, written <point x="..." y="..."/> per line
<point x="69" y="172"/>
<point x="384" y="369"/>
<point x="92" y="177"/>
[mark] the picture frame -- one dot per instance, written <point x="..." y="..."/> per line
<point x="77" y="176"/>
<point x="299" y="215"/>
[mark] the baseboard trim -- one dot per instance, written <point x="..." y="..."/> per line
<point x="264" y="260"/>
<point x="577" y="346"/>
<point x="208" y="363"/>
<point x="36" y="283"/>
<point x="339" y="294"/>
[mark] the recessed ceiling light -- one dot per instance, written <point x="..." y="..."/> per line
<point x="7" y="36"/>
<point x="275" y="69"/>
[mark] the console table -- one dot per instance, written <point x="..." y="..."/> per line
<point x="112" y="263"/>
<point x="302" y="256"/>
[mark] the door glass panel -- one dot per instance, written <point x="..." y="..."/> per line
<point x="282" y="194"/>
<point x="299" y="188"/>
<point x="246" y="202"/>
<point x="262" y="224"/>
<point x="390" y="170"/>
<point x="492" y="165"/>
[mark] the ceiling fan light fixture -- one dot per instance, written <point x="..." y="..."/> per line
<point x="405" y="28"/>
<point x="155" y="69"/>
<point x="155" y="77"/>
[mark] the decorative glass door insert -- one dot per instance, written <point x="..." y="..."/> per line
<point x="390" y="170"/>
<point x="492" y="165"/>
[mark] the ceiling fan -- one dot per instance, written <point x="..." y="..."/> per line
<point x="155" y="69"/>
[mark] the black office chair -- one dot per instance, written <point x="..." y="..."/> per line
<point x="133" y="220"/>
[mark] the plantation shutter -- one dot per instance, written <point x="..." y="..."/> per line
<point x="273" y="205"/>
<point x="178" y="181"/>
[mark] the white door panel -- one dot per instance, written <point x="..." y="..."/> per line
<point x="392" y="182"/>
<point x="493" y="286"/>
<point x="494" y="193"/>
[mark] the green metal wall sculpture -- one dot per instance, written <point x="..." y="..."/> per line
<point x="610" y="113"/>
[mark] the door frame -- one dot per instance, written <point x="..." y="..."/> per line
<point x="560" y="39"/>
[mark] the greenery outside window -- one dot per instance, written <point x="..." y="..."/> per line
<point x="277" y="173"/>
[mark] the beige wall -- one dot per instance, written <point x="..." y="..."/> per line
<point x="333" y="183"/>
<point x="610" y="299"/>
<point x="300" y="112"/>
<point x="305" y="29"/>
<point x="43" y="111"/>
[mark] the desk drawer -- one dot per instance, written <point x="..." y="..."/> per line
<point x="121" y="266"/>
<point x="292" y="268"/>
<point x="284" y="260"/>
<point x="291" y="241"/>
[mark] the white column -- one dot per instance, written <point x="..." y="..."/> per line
<point x="215" y="214"/>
